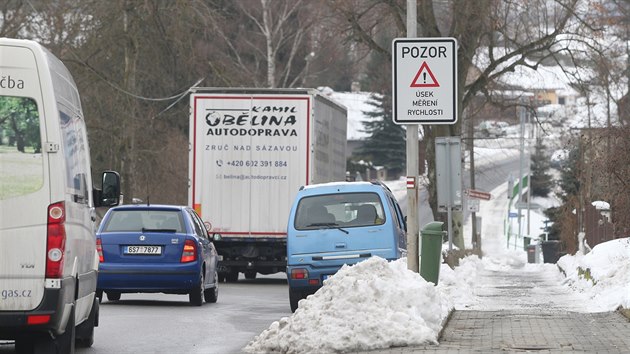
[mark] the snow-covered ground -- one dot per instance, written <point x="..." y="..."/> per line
<point x="376" y="304"/>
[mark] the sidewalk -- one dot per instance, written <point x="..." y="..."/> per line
<point x="530" y="331"/>
<point x="524" y="309"/>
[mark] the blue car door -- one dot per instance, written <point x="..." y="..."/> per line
<point x="207" y="248"/>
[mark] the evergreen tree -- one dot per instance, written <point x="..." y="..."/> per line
<point x="569" y="182"/>
<point x="386" y="145"/>
<point x="541" y="180"/>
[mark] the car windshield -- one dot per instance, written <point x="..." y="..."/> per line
<point x="144" y="221"/>
<point x="339" y="210"/>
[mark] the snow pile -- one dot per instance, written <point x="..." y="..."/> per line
<point x="371" y="305"/>
<point x="603" y="274"/>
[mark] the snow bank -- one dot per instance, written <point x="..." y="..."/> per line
<point x="603" y="274"/>
<point x="377" y="304"/>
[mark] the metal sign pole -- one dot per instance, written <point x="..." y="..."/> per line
<point x="413" y="229"/>
<point x="449" y="204"/>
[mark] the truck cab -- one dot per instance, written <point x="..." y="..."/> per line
<point x="336" y="224"/>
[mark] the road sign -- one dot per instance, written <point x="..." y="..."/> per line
<point x="473" y="205"/>
<point x="424" y="77"/>
<point x="471" y="193"/>
<point x="448" y="171"/>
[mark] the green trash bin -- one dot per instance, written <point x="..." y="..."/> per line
<point x="431" y="252"/>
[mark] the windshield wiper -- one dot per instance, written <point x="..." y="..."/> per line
<point x="159" y="230"/>
<point x="328" y="225"/>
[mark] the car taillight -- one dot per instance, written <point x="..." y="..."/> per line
<point x="99" y="249"/>
<point x="190" y="252"/>
<point x="55" y="240"/>
<point x="299" y="273"/>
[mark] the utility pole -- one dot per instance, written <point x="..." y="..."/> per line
<point x="413" y="229"/>
<point x="520" y="173"/>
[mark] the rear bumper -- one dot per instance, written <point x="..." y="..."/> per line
<point x="14" y="324"/>
<point x="148" y="278"/>
<point x="314" y="274"/>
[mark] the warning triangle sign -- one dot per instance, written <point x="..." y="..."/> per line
<point x="424" y="80"/>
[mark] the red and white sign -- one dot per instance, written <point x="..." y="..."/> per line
<point x="471" y="193"/>
<point x="411" y="182"/>
<point x="424" y="80"/>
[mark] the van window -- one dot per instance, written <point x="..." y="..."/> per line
<point x="343" y="209"/>
<point x="21" y="163"/>
<point x="76" y="152"/>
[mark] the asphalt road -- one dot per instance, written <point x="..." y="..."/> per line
<point x="160" y="323"/>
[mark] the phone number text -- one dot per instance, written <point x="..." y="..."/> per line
<point x="257" y="163"/>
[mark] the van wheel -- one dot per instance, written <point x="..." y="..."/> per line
<point x="294" y="298"/>
<point x="85" y="331"/>
<point x="24" y="345"/>
<point x="99" y="295"/>
<point x="212" y="294"/>
<point x="61" y="344"/>
<point x="250" y="274"/>
<point x="113" y="295"/>
<point x="196" y="294"/>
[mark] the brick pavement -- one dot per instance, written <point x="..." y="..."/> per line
<point x="537" y="331"/>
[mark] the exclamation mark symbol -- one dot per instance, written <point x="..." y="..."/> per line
<point x="424" y="77"/>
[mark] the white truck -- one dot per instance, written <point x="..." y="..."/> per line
<point x="250" y="152"/>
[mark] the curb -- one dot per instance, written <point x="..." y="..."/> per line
<point x="448" y="318"/>
<point x="624" y="312"/>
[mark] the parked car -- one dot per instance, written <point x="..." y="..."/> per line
<point x="492" y="129"/>
<point x="156" y="248"/>
<point x="339" y="223"/>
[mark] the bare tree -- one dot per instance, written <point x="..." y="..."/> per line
<point x="507" y="33"/>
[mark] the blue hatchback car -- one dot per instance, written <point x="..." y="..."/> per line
<point x="156" y="248"/>
<point x="333" y="224"/>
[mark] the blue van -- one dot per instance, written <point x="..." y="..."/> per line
<point x="333" y="224"/>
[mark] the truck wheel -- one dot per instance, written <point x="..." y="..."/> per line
<point x="212" y="294"/>
<point x="113" y="295"/>
<point x="250" y="274"/>
<point x="232" y="276"/>
<point x="294" y="298"/>
<point x="85" y="331"/>
<point x="196" y="294"/>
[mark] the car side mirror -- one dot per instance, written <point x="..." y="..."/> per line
<point x="110" y="195"/>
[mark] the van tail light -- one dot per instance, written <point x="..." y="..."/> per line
<point x="37" y="319"/>
<point x="99" y="249"/>
<point x="299" y="273"/>
<point x="190" y="252"/>
<point x="55" y="240"/>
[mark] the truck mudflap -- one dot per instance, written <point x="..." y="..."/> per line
<point x="251" y="256"/>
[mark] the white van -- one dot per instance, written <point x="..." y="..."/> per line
<point x="48" y="257"/>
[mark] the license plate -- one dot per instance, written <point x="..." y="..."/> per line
<point x="143" y="250"/>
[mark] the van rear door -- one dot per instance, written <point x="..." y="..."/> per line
<point x="24" y="179"/>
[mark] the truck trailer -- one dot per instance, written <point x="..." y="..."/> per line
<point x="250" y="152"/>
